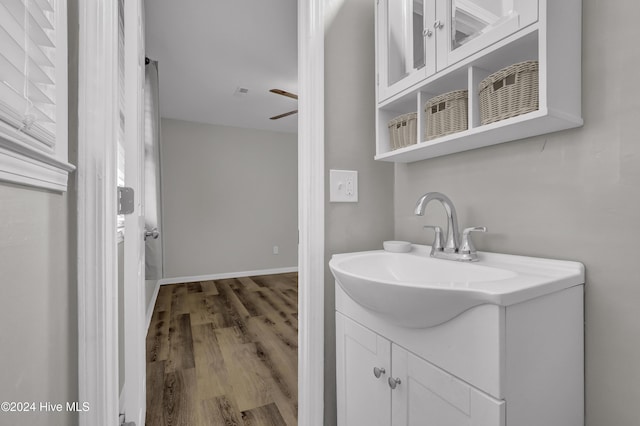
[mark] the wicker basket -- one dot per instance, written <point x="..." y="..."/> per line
<point x="403" y="130"/>
<point x="446" y="114"/>
<point x="509" y="92"/>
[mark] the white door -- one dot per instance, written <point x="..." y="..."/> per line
<point x="429" y="396"/>
<point x="134" y="275"/>
<point x="362" y="393"/>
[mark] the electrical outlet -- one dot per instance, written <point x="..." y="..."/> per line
<point x="276" y="250"/>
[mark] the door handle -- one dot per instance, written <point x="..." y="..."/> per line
<point x="153" y="233"/>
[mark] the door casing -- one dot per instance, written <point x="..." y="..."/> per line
<point x="96" y="176"/>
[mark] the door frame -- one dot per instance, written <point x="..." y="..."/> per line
<point x="97" y="245"/>
<point x="96" y="192"/>
<point x="134" y="309"/>
<point x="311" y="205"/>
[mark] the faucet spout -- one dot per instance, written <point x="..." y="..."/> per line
<point x="451" y="245"/>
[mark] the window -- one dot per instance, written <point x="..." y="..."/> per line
<point x="33" y="93"/>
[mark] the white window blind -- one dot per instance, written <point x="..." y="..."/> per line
<point x="33" y="93"/>
<point x="27" y="67"/>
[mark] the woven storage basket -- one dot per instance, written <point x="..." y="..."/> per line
<point x="509" y="92"/>
<point x="403" y="130"/>
<point x="446" y="114"/>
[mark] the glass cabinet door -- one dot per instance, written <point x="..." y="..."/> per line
<point x="403" y="38"/>
<point x="471" y="18"/>
<point x="475" y="24"/>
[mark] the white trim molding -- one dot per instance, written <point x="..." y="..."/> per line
<point x="226" y="275"/>
<point x="24" y="165"/>
<point x="97" y="248"/>
<point x="311" y="212"/>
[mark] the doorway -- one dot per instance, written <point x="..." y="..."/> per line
<point x="98" y="380"/>
<point x="230" y="203"/>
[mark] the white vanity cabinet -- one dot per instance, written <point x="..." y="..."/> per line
<point x="425" y="48"/>
<point x="423" y="395"/>
<point x="518" y="365"/>
<point x="417" y="38"/>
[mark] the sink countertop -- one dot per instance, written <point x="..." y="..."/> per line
<point x="517" y="278"/>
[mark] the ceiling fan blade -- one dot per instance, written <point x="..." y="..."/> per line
<point x="284" y="93"/>
<point x="286" y="114"/>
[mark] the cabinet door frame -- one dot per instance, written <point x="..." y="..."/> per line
<point x="386" y="90"/>
<point x="525" y="14"/>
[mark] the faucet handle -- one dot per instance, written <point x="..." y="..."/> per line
<point x="437" y="240"/>
<point x="466" y="246"/>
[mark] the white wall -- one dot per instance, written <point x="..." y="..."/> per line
<point x="569" y="195"/>
<point x="229" y="195"/>
<point x="350" y="145"/>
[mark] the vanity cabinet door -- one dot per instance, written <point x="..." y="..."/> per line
<point x="429" y="396"/>
<point x="464" y="27"/>
<point x="362" y="398"/>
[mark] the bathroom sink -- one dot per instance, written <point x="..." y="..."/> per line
<point x="414" y="290"/>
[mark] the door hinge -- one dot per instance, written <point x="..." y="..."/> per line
<point x="126" y="200"/>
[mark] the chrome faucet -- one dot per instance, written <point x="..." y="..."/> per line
<point x="465" y="251"/>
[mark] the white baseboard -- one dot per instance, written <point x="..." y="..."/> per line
<point x="222" y="276"/>
<point x="226" y="275"/>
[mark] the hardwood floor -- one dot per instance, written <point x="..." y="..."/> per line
<point x="224" y="352"/>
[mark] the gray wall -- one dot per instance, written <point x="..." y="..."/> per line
<point x="350" y="145"/>
<point x="229" y="195"/>
<point x="569" y="195"/>
<point x="38" y="307"/>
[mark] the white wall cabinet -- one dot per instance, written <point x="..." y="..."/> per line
<point x="425" y="48"/>
<point x="519" y="365"/>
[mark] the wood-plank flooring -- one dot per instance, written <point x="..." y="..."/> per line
<point x="224" y="352"/>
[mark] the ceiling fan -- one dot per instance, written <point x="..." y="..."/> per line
<point x="287" y="94"/>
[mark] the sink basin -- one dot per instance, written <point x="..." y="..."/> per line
<point x="414" y="290"/>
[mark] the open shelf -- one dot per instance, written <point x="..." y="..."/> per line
<point x="522" y="126"/>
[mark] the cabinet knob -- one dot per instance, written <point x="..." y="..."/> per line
<point x="427" y="32"/>
<point x="378" y="372"/>
<point x="394" y="382"/>
<point x="438" y="24"/>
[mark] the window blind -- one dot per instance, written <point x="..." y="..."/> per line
<point x="27" y="67"/>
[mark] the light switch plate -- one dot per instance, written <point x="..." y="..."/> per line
<point x="343" y="186"/>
